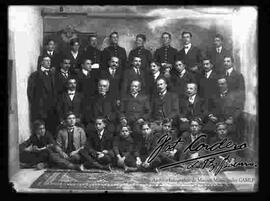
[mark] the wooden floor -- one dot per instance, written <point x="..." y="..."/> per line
<point x="242" y="180"/>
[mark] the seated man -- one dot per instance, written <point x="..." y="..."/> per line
<point x="70" y="140"/>
<point x="189" y="137"/>
<point x="98" y="152"/>
<point x="135" y="107"/>
<point x="123" y="147"/>
<point x="34" y="152"/>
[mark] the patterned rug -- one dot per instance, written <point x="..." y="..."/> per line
<point x="117" y="181"/>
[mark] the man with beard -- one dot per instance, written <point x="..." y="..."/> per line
<point x="141" y="52"/>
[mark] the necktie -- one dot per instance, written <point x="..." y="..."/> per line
<point x="206" y="76"/>
<point x="113" y="73"/>
<point x="46" y="72"/>
<point x="138" y="71"/>
<point x="227" y="74"/>
<point x="99" y="135"/>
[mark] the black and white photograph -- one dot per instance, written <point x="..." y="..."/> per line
<point x="133" y="99"/>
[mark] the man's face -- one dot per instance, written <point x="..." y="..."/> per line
<point x="72" y="84"/>
<point x="99" y="125"/>
<point x="134" y="87"/>
<point x="179" y="66"/>
<point x="125" y="132"/>
<point x="222" y="84"/>
<point x="139" y="42"/>
<point x="137" y="62"/>
<point x="186" y="38"/>
<point x="165" y="38"/>
<point x="71" y="120"/>
<point x="228" y="63"/>
<point x="207" y="65"/>
<point x="93" y="41"/>
<point x="103" y="87"/>
<point x="222" y="131"/>
<point x="40" y="131"/>
<point x="166" y="127"/>
<point x="218" y="42"/>
<point x="46" y="62"/>
<point x="66" y="64"/>
<point x="87" y="65"/>
<point x="51" y="46"/>
<point x="75" y="47"/>
<point x="146" y="130"/>
<point x="191" y="89"/>
<point x="114" y="39"/>
<point x="161" y="85"/>
<point x="154" y="68"/>
<point x="114" y="63"/>
<point x="194" y="127"/>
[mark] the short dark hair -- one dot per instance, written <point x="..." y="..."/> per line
<point x="162" y="78"/>
<point x="136" y="57"/>
<point x="219" y="36"/>
<point x="197" y="119"/>
<point x="37" y="123"/>
<point x="92" y="35"/>
<point x="167" y="120"/>
<point x="221" y="123"/>
<point x="157" y="63"/>
<point x="229" y="56"/>
<point x="64" y="58"/>
<point x="84" y="60"/>
<point x="114" y="32"/>
<point x="170" y="35"/>
<point x="103" y="119"/>
<point x="127" y="126"/>
<point x="207" y="58"/>
<point x="186" y="32"/>
<point x="49" y="40"/>
<point x="182" y="60"/>
<point x="73" y="41"/>
<point x="142" y="36"/>
<point x="69" y="113"/>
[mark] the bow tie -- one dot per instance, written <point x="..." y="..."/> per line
<point x="71" y="93"/>
<point x="50" y="52"/>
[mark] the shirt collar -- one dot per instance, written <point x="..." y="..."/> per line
<point x="135" y="94"/>
<point x="85" y="72"/>
<point x="71" y="92"/>
<point x="63" y="71"/>
<point x="101" y="133"/>
<point x="43" y="69"/>
<point x="219" y="48"/>
<point x="209" y="73"/>
<point x="230" y="70"/>
<point x="189" y="46"/>
<point x="183" y="72"/>
<point x="163" y="94"/>
<point x="156" y="74"/>
<point x="192" y="98"/>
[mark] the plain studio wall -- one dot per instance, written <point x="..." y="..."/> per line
<point x="25" y="40"/>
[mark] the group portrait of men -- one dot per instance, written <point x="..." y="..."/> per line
<point x="104" y="109"/>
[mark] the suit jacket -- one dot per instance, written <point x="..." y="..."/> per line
<point x="75" y="62"/>
<point x="208" y="87"/>
<point x="192" y="58"/>
<point x="145" y="55"/>
<point x="130" y="75"/>
<point x="228" y="106"/>
<point x="123" y="146"/>
<point x="95" y="144"/>
<point x="87" y="85"/>
<point x="61" y="81"/>
<point x="135" y="108"/>
<point x="217" y="58"/>
<point x="115" y="82"/>
<point x="197" y="109"/>
<point x="117" y="51"/>
<point x="55" y="59"/>
<point x="186" y="137"/>
<point x="179" y="83"/>
<point x="41" y="93"/>
<point x="65" y="104"/>
<point x="166" y="55"/>
<point x="94" y="54"/>
<point x="151" y="84"/>
<point x="166" y="107"/>
<point x="79" y="138"/>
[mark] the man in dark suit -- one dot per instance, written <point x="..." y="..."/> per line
<point x="208" y="83"/>
<point x="191" y="106"/>
<point x="141" y="52"/>
<point x="87" y="79"/>
<point x="134" y="73"/>
<point x="70" y="140"/>
<point x="70" y="100"/>
<point x="93" y="53"/>
<point x="115" y="50"/>
<point x="235" y="79"/>
<point x="50" y="52"/>
<point x="114" y="75"/>
<point x="61" y="77"/>
<point x="135" y="107"/>
<point x="217" y="53"/>
<point x="180" y="78"/>
<point x="102" y="105"/>
<point x="165" y="55"/>
<point x="190" y="54"/>
<point x="165" y="104"/>
<point x="75" y="54"/>
<point x="42" y="95"/>
<point x="98" y="152"/>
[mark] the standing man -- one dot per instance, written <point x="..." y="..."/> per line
<point x="191" y="55"/>
<point x="42" y="95"/>
<point x="62" y="76"/>
<point x="141" y="52"/>
<point x="115" y="50"/>
<point x="166" y="55"/>
<point x="217" y="53"/>
<point x="93" y="53"/>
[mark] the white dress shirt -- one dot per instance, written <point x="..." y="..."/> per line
<point x="71" y="94"/>
<point x="182" y="73"/>
<point x="74" y="54"/>
<point x="229" y="71"/>
<point x="64" y="73"/>
<point x="192" y="98"/>
<point x="156" y="75"/>
<point x="208" y="74"/>
<point x="187" y="48"/>
<point x="50" y="53"/>
<point x="219" y="49"/>
<point x="112" y="71"/>
<point x="100" y="134"/>
<point x="85" y="72"/>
